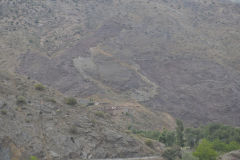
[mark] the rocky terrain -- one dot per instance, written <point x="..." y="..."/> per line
<point x="38" y="123"/>
<point x="136" y="62"/>
<point x="234" y="155"/>
<point x="180" y="57"/>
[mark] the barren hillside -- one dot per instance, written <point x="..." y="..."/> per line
<point x="175" y="56"/>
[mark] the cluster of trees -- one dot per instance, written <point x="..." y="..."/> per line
<point x="209" y="150"/>
<point x="206" y="142"/>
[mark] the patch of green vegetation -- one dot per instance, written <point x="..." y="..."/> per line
<point x="33" y="158"/>
<point x="21" y="100"/>
<point x="205" y="151"/>
<point x="148" y="134"/>
<point x="206" y="142"/>
<point x="167" y="137"/>
<point x="179" y="133"/>
<point x="4" y="112"/>
<point x="39" y="87"/>
<point x="70" y="101"/>
<point x="100" y="114"/>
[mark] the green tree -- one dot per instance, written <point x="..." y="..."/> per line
<point x="222" y="147"/>
<point x="205" y="151"/>
<point x="179" y="133"/>
<point x="163" y="136"/>
<point x="232" y="146"/>
<point x="70" y="101"/>
<point x="170" y="139"/>
<point x="167" y="137"/>
<point x="224" y="133"/>
<point x="219" y="146"/>
<point x="192" y="136"/>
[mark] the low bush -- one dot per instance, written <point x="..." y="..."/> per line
<point x="33" y="158"/>
<point x="21" y="100"/>
<point x="70" y="101"/>
<point x="39" y="87"/>
<point x="3" y="112"/>
<point x="100" y="114"/>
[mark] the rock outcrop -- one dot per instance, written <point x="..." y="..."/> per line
<point x="234" y="155"/>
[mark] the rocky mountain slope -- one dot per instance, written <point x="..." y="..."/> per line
<point x="38" y="123"/>
<point x="174" y="56"/>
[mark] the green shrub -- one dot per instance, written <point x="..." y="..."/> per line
<point x="39" y="87"/>
<point x="192" y="136"/>
<point x="21" y="100"/>
<point x="167" y="137"/>
<point x="100" y="114"/>
<point x="3" y="112"/>
<point x="232" y="146"/>
<point x="33" y="158"/>
<point x="219" y="146"/>
<point x="149" y="143"/>
<point x="148" y="134"/>
<point x="70" y="101"/>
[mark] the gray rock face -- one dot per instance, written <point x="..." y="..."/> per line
<point x="58" y="131"/>
<point x="234" y="155"/>
<point x="8" y="150"/>
<point x="4" y="152"/>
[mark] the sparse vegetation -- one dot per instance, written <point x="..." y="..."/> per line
<point x="4" y="112"/>
<point x="91" y="102"/>
<point x="70" y="101"/>
<point x="21" y="100"/>
<point x="100" y="114"/>
<point x="39" y="87"/>
<point x="149" y="143"/>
